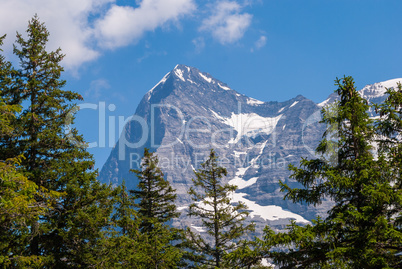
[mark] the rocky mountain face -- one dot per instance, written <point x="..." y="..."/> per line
<point x="189" y="112"/>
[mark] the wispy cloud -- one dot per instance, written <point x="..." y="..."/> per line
<point x="199" y="44"/>
<point x="96" y="89"/>
<point x="123" y="25"/>
<point x="227" y="22"/>
<point x="260" y="43"/>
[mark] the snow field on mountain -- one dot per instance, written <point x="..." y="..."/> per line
<point x="209" y="80"/>
<point x="379" y="89"/>
<point x="295" y="103"/>
<point x="179" y="74"/>
<point x="163" y="80"/>
<point x="224" y="87"/>
<point x="250" y="124"/>
<point x="268" y="212"/>
<point x="254" y="102"/>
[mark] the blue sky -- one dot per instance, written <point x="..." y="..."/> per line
<point x="269" y="50"/>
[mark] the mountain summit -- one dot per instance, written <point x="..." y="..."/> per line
<point x="189" y="112"/>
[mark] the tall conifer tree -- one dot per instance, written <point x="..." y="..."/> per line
<point x="155" y="199"/>
<point x="19" y="208"/>
<point x="154" y="194"/>
<point x="223" y="221"/>
<point x="361" y="230"/>
<point x="65" y="236"/>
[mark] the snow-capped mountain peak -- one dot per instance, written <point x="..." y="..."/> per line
<point x="188" y="112"/>
<point x="378" y="89"/>
<point x="375" y="93"/>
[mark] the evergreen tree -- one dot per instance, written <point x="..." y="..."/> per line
<point x="156" y="196"/>
<point x="121" y="248"/>
<point x="125" y="216"/>
<point x="362" y="228"/>
<point x="19" y="208"/>
<point x="64" y="237"/>
<point x="222" y="220"/>
<point x="155" y="203"/>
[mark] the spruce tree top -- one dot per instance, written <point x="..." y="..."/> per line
<point x="155" y="194"/>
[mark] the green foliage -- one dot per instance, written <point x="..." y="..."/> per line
<point x="66" y="236"/>
<point x="128" y="247"/>
<point x="222" y="220"/>
<point x="18" y="207"/>
<point x="141" y="250"/>
<point x="363" y="228"/>
<point x="156" y="196"/>
<point x="143" y="236"/>
<point x="125" y="216"/>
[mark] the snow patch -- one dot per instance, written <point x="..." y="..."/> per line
<point x="379" y="89"/>
<point x="322" y="104"/>
<point x="295" y="103"/>
<point x="237" y="180"/>
<point x="253" y="162"/>
<point x="241" y="171"/>
<point x="209" y="80"/>
<point x="283" y="128"/>
<point x="224" y="87"/>
<point x="254" y="102"/>
<point x="241" y="183"/>
<point x="216" y="115"/>
<point x="179" y="74"/>
<point x="391" y="83"/>
<point x="280" y="110"/>
<point x="238" y="153"/>
<point x="163" y="80"/>
<point x="198" y="229"/>
<point x="269" y="212"/>
<point x="262" y="149"/>
<point x="250" y="124"/>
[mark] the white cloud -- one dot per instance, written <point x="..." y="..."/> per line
<point x="124" y="25"/>
<point x="83" y="27"/>
<point x="227" y="24"/>
<point x="97" y="88"/>
<point x="66" y="20"/>
<point x="260" y="43"/>
<point x="199" y="44"/>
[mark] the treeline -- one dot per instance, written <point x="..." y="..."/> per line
<point x="55" y="214"/>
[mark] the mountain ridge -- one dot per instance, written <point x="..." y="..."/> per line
<point x="189" y="111"/>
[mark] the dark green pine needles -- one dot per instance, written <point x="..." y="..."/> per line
<point x="363" y="228"/>
<point x="156" y="196"/>
<point x="222" y="220"/>
<point x="66" y="236"/>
